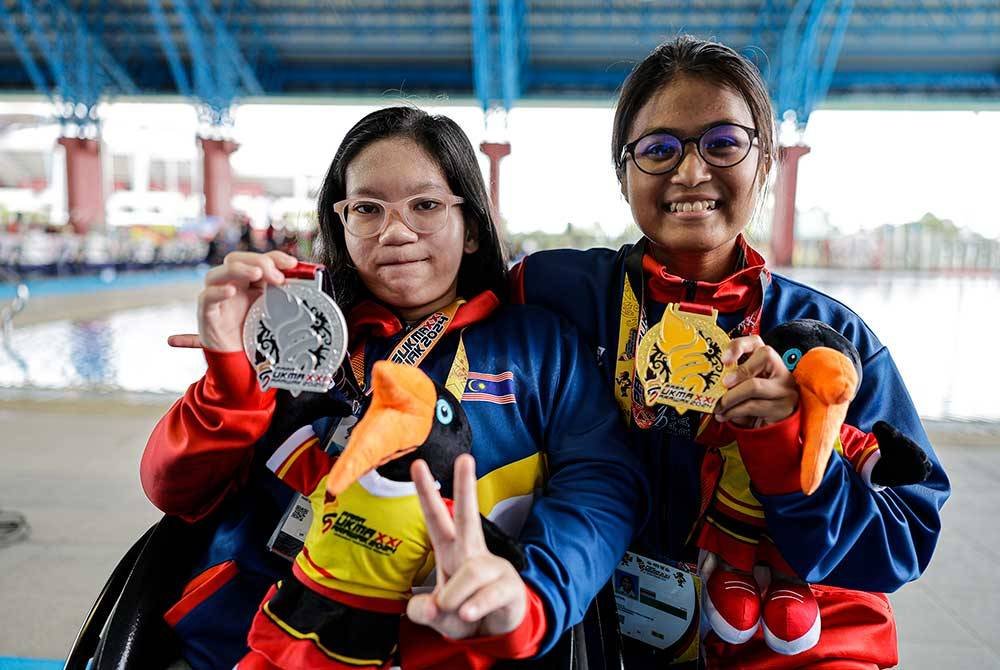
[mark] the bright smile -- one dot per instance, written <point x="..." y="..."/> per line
<point x="691" y="209"/>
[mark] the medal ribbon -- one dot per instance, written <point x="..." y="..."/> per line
<point x="303" y="270"/>
<point x="632" y="325"/>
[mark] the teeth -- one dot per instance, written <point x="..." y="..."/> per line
<point x="698" y="206"/>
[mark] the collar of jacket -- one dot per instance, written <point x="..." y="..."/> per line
<point x="373" y="319"/>
<point x="732" y="293"/>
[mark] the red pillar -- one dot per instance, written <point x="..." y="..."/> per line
<point x="495" y="151"/>
<point x="84" y="187"/>
<point x="783" y="225"/>
<point x="217" y="176"/>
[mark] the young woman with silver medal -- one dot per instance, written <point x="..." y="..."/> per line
<point x="417" y="267"/>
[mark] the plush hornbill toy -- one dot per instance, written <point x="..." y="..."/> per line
<point x="827" y="368"/>
<point x="368" y="541"/>
<point x="410" y="418"/>
<point x="747" y="588"/>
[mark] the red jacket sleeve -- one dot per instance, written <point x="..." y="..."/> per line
<point x="423" y="647"/>
<point x="199" y="451"/>
<point x="773" y="454"/>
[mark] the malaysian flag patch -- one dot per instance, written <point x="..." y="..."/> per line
<point x="484" y="387"/>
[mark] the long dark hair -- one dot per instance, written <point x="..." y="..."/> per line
<point x="446" y="143"/>
<point x="687" y="55"/>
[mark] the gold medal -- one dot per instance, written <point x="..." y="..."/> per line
<point x="679" y="361"/>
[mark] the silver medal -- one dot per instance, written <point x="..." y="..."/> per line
<point x="295" y="337"/>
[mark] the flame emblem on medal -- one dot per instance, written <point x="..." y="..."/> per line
<point x="679" y="361"/>
<point x="295" y="337"/>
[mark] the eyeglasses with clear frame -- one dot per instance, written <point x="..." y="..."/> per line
<point x="424" y="213"/>
<point x="723" y="145"/>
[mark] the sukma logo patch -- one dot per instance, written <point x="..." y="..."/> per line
<point x="354" y="528"/>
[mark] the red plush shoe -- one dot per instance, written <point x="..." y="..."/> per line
<point x="732" y="603"/>
<point x="791" y="618"/>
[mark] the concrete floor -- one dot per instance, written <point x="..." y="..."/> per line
<point x="72" y="471"/>
<point x="949" y="617"/>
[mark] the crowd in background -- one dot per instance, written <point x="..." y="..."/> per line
<point x="33" y="248"/>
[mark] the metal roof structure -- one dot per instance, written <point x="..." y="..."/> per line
<point x="499" y="52"/>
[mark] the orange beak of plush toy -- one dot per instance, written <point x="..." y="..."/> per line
<point x="397" y="422"/>
<point x="827" y="382"/>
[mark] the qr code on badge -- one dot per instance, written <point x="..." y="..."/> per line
<point x="299" y="513"/>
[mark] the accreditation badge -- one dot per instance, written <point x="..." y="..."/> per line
<point x="295" y="336"/>
<point x="659" y="604"/>
<point x="679" y="360"/>
<point x="289" y="535"/>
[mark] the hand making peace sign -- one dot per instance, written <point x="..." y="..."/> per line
<point x="477" y="593"/>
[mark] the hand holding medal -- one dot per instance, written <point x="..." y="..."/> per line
<point x="273" y="308"/>
<point x="230" y="288"/>
<point x="761" y="390"/>
<point x="688" y="362"/>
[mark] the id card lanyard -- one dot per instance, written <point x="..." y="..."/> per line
<point x="412" y="350"/>
<point x="659" y="602"/>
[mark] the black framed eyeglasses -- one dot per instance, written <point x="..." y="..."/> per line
<point x="723" y="145"/>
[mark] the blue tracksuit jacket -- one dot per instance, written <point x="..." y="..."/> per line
<point x="844" y="534"/>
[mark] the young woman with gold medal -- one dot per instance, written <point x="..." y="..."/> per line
<point x="715" y="414"/>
